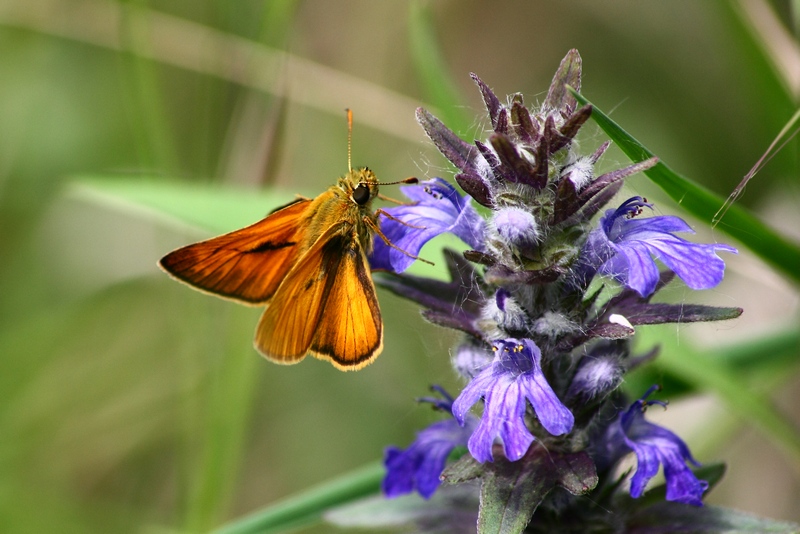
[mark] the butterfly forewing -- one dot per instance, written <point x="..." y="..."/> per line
<point x="246" y="265"/>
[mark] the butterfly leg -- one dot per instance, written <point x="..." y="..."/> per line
<point x="375" y="228"/>
<point x="392" y="200"/>
<point x="388" y="215"/>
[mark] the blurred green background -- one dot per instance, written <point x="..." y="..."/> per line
<point x="129" y="403"/>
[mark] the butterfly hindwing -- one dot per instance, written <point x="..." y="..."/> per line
<point x="328" y="303"/>
<point x="350" y="329"/>
<point x="287" y="326"/>
<point x="246" y="265"/>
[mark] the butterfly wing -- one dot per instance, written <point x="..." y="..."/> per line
<point x="326" y="306"/>
<point x="350" y="329"/>
<point x="246" y="265"/>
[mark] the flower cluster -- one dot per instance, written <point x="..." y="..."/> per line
<point x="546" y="341"/>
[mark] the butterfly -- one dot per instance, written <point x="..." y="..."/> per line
<point x="308" y="262"/>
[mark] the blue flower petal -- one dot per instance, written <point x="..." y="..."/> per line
<point x="625" y="248"/>
<point x="432" y="465"/>
<point x="682" y="485"/>
<point x="554" y="416"/>
<point x="504" y="418"/>
<point x="472" y="393"/>
<point x="696" y="264"/>
<point x="647" y="464"/>
<point x="420" y="465"/>
<point x="510" y="415"/>
<point x="655" y="446"/>
<point x="512" y="380"/>
<point x="633" y="267"/>
<point x="401" y="468"/>
<point x="437" y="208"/>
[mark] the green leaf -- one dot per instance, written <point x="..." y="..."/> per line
<point x="462" y="470"/>
<point x="511" y="491"/>
<point x="778" y="349"/>
<point x="738" y="223"/>
<point x="308" y="506"/>
<point x="450" y="509"/>
<point x="676" y="517"/>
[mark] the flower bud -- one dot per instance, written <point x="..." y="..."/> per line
<point x="581" y="172"/>
<point x="553" y="324"/>
<point x="516" y="225"/>
<point x="471" y="358"/>
<point x="597" y="377"/>
<point x="506" y="313"/>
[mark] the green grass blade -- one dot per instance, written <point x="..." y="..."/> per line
<point x="142" y="98"/>
<point x="438" y="85"/>
<point x="308" y="506"/>
<point x="755" y="29"/>
<point x="729" y="386"/>
<point x="220" y="412"/>
<point x="764" y="362"/>
<point x="738" y="223"/>
<point x="213" y="208"/>
<point x="772" y="351"/>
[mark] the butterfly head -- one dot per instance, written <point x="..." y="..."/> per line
<point x="361" y="185"/>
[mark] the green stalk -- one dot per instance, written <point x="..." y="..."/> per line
<point x="307" y="507"/>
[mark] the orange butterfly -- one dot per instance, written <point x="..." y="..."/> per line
<point x="308" y="262"/>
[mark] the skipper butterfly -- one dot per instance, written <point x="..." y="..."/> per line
<point x="307" y="261"/>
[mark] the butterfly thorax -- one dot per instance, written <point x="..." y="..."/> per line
<point x="344" y="205"/>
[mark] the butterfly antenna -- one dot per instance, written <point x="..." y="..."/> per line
<point x="349" y="137"/>
<point x="409" y="180"/>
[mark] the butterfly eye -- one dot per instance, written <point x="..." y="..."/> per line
<point x="361" y="194"/>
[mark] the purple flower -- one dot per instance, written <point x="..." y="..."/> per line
<point x="624" y="247"/>
<point x="654" y="446"/>
<point x="419" y="466"/>
<point x="513" y="379"/>
<point x="436" y="208"/>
